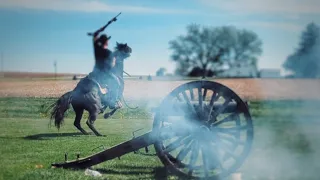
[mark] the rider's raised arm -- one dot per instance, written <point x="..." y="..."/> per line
<point x="96" y="34"/>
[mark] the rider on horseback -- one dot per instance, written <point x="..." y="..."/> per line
<point x="102" y="72"/>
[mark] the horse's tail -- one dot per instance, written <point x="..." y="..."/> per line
<point x="60" y="107"/>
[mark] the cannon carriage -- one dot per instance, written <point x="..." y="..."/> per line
<point x="201" y="129"/>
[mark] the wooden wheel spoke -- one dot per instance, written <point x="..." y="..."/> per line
<point x="209" y="156"/>
<point x="214" y="97"/>
<point x="194" y="157"/>
<point x="221" y="109"/>
<point x="222" y="146"/>
<point x="177" y="143"/>
<point x="178" y="110"/>
<point x="204" y="94"/>
<point x="191" y="94"/>
<point x="230" y="118"/>
<point x="200" y="98"/>
<point x="231" y="154"/>
<point x="179" y="98"/>
<point x="238" y="123"/>
<point x="188" y="102"/>
<point x="231" y="130"/>
<point x="216" y="155"/>
<point x="205" y="157"/>
<point x="232" y="140"/>
<point x="183" y="153"/>
<point x="226" y="150"/>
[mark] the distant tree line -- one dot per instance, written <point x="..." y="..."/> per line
<point x="211" y="51"/>
<point x="161" y="71"/>
<point x="305" y="61"/>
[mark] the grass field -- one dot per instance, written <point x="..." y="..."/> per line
<point x="286" y="143"/>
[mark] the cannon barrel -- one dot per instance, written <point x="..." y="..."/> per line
<point x="181" y="108"/>
<point x="229" y="108"/>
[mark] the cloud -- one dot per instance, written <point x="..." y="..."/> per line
<point x="276" y="25"/>
<point x="267" y="6"/>
<point x="85" y="6"/>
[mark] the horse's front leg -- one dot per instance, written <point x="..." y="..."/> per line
<point x="109" y="114"/>
<point x="90" y="123"/>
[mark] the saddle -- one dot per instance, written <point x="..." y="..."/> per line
<point x="102" y="90"/>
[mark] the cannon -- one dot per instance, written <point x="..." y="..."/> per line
<point x="201" y="129"/>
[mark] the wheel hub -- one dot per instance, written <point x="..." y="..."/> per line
<point x="201" y="116"/>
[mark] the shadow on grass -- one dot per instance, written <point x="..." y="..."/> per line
<point x="46" y="136"/>
<point x="7" y="137"/>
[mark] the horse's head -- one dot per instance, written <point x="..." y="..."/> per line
<point x="123" y="51"/>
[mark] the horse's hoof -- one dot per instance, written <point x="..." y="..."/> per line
<point x="106" y="116"/>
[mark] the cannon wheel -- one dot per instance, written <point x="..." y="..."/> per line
<point x="217" y="130"/>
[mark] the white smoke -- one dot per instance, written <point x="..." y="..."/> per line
<point x="286" y="145"/>
<point x="285" y="142"/>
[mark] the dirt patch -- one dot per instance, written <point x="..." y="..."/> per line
<point x="38" y="75"/>
<point x="139" y="89"/>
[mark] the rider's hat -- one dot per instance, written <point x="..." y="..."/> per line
<point x="104" y="38"/>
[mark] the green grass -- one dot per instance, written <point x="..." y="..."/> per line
<point x="286" y="142"/>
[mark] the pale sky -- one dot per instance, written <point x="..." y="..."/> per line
<point x="35" y="33"/>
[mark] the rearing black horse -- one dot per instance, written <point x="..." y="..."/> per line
<point x="87" y="96"/>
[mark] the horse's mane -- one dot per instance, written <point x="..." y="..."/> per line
<point x="119" y="46"/>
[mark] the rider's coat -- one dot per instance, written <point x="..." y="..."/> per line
<point x="103" y="57"/>
<point x="103" y="64"/>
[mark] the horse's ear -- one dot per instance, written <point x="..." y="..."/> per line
<point x="125" y="44"/>
<point x="117" y="43"/>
